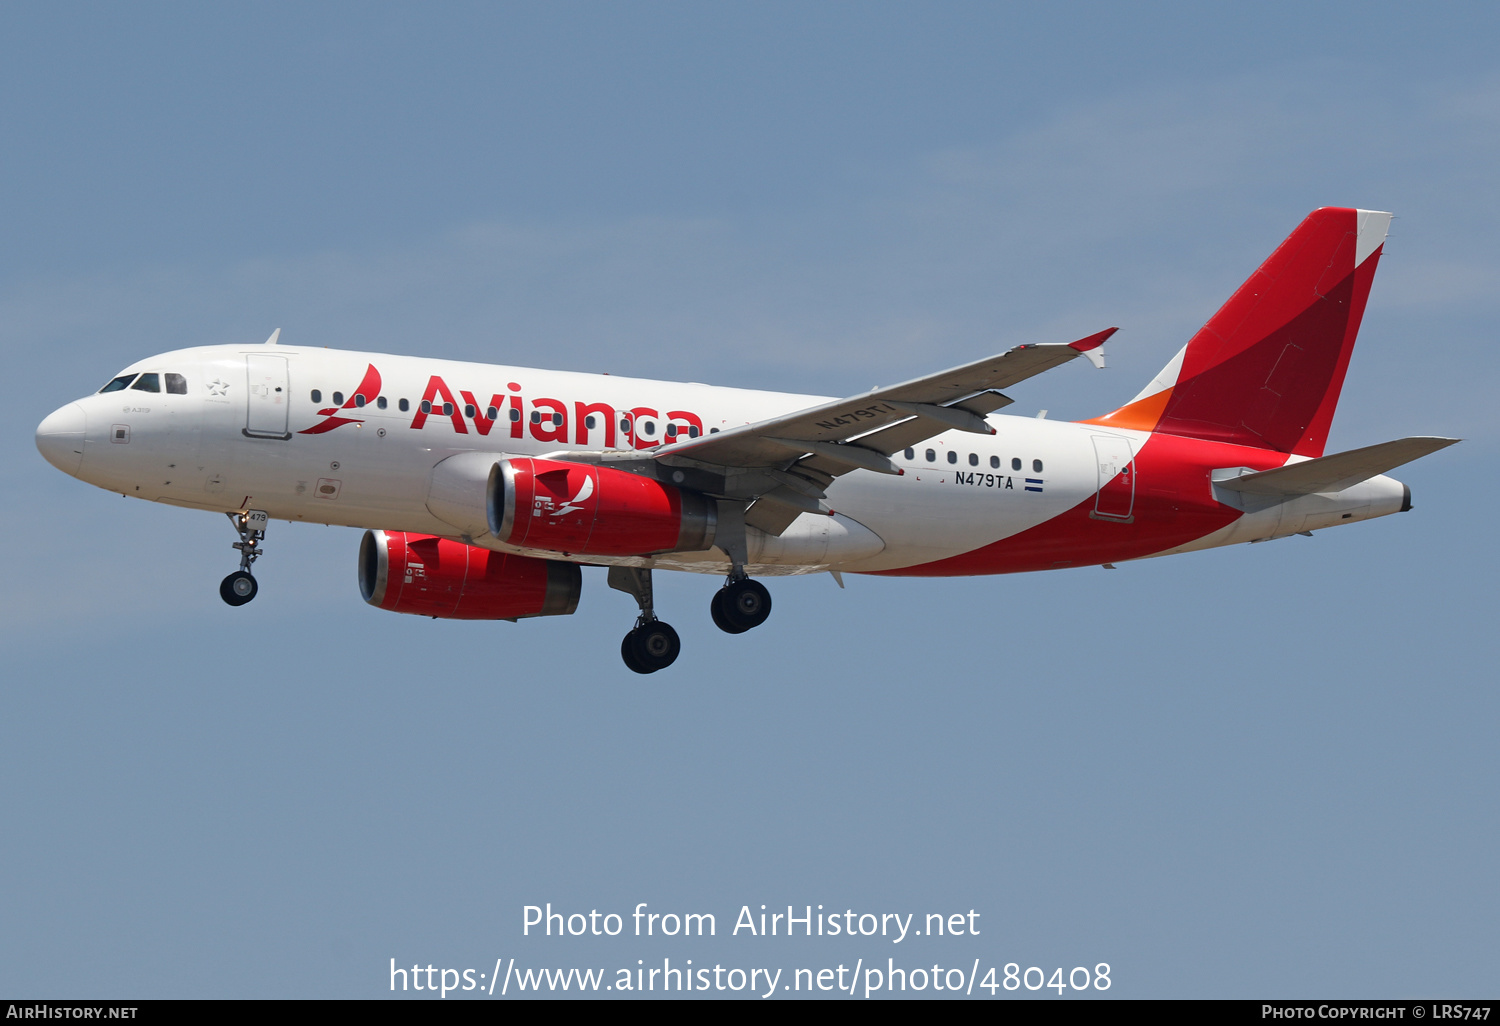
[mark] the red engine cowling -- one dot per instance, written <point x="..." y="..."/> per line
<point x="597" y="511"/>
<point x="417" y="573"/>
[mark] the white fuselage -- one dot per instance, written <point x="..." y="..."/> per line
<point x="276" y="428"/>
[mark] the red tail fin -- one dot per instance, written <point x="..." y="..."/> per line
<point x="1267" y="369"/>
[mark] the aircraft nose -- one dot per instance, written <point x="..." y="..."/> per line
<point x="60" y="438"/>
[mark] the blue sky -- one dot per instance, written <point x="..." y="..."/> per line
<point x="1267" y="770"/>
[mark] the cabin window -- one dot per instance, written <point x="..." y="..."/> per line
<point x="536" y="416"/>
<point x="426" y="406"/>
<point x="973" y="459"/>
<point x="402" y="405"/>
<point x="692" y="432"/>
<point x="469" y="410"/>
<point x="995" y="462"/>
<point x="147" y="383"/>
<point x="624" y="425"/>
<point x="671" y="430"/>
<point x="447" y="409"/>
<point x="557" y="419"/>
<point x="589" y="421"/>
<point x="650" y="427"/>
<point x="1015" y="463"/>
<point x="380" y="402"/>
<point x="952" y="456"/>
<point x="317" y="395"/>
<point x="338" y="398"/>
<point x="492" y="414"/>
<point x="911" y="454"/>
<point x="713" y="431"/>
<point x="176" y="384"/>
<point x="515" y="414"/>
<point x="1036" y="466"/>
<point x="931" y="456"/>
<point x="359" y="400"/>
<point x="119" y="383"/>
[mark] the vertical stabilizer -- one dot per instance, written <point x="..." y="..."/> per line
<point x="1267" y="369"/>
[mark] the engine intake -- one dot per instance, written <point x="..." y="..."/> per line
<point x="428" y="576"/>
<point x="577" y="508"/>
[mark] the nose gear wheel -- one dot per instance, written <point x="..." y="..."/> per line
<point x="238" y="588"/>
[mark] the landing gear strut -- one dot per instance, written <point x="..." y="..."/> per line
<point x="652" y="645"/>
<point x="742" y="603"/>
<point x="240" y="587"/>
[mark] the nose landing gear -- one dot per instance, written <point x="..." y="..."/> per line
<point x="652" y="645"/>
<point x="240" y="587"/>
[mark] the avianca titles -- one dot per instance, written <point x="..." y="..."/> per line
<point x="484" y="488"/>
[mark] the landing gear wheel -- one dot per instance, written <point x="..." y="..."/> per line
<point x="742" y="604"/>
<point x="721" y="621"/>
<point x="652" y="646"/>
<point x="238" y="588"/>
<point x="627" y="653"/>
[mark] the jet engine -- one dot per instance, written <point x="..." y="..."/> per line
<point x="582" y="509"/>
<point x="418" y="573"/>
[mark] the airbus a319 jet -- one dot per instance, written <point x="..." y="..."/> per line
<point x="484" y="488"/>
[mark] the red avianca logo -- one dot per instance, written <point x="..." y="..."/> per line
<point x="368" y="389"/>
<point x="548" y="419"/>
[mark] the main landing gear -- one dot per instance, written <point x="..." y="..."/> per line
<point x="652" y="645"/>
<point x="240" y="587"/>
<point x="740" y="605"/>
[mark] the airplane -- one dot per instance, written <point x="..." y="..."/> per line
<point x="483" y="489"/>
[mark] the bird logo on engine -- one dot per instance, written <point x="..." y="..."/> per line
<point x="571" y="506"/>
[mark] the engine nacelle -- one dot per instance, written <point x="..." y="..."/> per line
<point x="417" y="573"/>
<point x="582" y="509"/>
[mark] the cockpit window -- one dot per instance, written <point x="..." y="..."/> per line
<point x="176" y="384"/>
<point x="117" y="384"/>
<point x="147" y="383"/>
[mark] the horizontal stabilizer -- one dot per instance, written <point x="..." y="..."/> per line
<point x="1330" y="473"/>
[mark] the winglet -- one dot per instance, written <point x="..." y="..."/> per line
<point x="1093" y="341"/>
<point x="1089" y="347"/>
<point x="275" y="336"/>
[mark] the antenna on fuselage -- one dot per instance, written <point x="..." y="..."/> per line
<point x="275" y="335"/>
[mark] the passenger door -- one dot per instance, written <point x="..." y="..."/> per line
<point x="268" y="391"/>
<point x="1116" y="496"/>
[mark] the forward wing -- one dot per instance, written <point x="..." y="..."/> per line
<point x="861" y="431"/>
<point x="784" y="464"/>
<point x="800" y="453"/>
